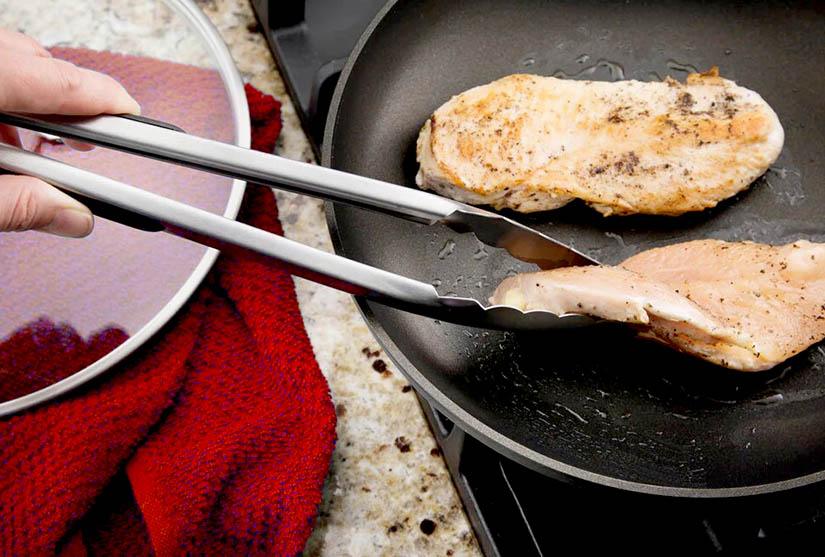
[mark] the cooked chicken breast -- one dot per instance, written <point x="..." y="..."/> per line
<point x="534" y="143"/>
<point x="744" y="306"/>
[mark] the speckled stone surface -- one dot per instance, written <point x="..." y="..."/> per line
<point x="386" y="475"/>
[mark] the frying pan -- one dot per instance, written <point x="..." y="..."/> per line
<point x="596" y="405"/>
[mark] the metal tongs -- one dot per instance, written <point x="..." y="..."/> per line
<point x="147" y="211"/>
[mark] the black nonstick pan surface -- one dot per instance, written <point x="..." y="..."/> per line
<point x="597" y="405"/>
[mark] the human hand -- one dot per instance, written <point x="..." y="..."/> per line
<point x="33" y="82"/>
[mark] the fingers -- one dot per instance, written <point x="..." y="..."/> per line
<point x="29" y="204"/>
<point x="12" y="41"/>
<point x="32" y="81"/>
<point x="41" y="85"/>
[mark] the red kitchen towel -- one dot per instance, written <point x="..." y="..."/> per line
<point x="213" y="440"/>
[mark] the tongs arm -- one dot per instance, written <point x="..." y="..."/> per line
<point x="165" y="143"/>
<point x="156" y="213"/>
<point x="161" y="141"/>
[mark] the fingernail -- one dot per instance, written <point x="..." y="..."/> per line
<point x="136" y="109"/>
<point x="129" y="106"/>
<point x="70" y="223"/>
<point x="121" y="102"/>
<point x="132" y="105"/>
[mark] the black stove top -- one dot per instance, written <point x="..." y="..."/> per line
<point x="311" y="40"/>
<point x="514" y="510"/>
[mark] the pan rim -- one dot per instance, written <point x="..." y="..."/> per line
<point x="463" y="419"/>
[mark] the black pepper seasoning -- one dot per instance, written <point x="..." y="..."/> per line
<point x="427" y="526"/>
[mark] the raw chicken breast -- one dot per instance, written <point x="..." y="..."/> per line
<point x="744" y="306"/>
<point x="532" y="143"/>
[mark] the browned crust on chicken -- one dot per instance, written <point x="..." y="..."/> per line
<point x="533" y="143"/>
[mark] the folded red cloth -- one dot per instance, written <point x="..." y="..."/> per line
<point x="214" y="439"/>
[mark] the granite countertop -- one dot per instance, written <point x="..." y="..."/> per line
<point x="388" y="491"/>
<point x="387" y="476"/>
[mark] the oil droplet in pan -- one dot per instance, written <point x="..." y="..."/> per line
<point x="447" y="250"/>
<point x="680" y="67"/>
<point x="614" y="68"/>
<point x="572" y="413"/>
<point x="770" y="399"/>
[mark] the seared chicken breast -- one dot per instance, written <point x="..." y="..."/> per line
<point x="533" y="143"/>
<point x="744" y="306"/>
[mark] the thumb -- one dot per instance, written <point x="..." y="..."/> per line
<point x="30" y="204"/>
